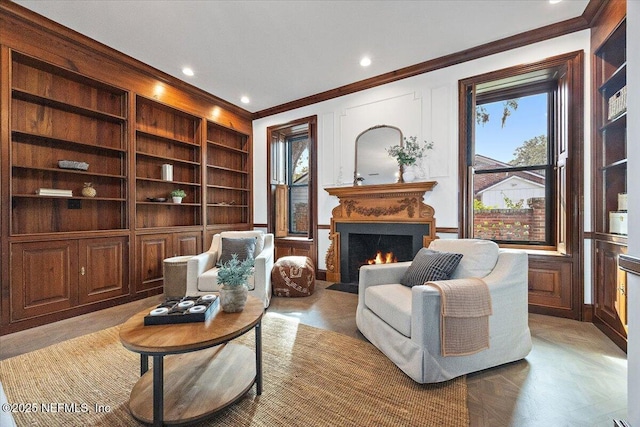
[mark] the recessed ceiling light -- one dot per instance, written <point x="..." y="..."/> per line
<point x="365" y="62"/>
<point x="554" y="1"/>
<point x="187" y="71"/>
<point x="245" y="100"/>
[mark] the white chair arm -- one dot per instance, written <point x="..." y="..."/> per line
<point x="262" y="271"/>
<point x="196" y="266"/>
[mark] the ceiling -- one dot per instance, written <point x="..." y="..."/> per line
<point x="275" y="52"/>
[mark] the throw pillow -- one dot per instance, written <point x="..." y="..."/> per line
<point x="244" y="248"/>
<point x="429" y="265"/>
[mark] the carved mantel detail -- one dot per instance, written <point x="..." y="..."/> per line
<point x="400" y="202"/>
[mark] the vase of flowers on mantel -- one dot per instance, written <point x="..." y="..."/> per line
<point x="407" y="154"/>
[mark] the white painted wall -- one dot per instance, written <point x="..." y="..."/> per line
<point x="633" y="152"/>
<point x="425" y="106"/>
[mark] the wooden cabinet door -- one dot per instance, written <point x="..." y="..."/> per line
<point x="44" y="278"/>
<point x="152" y="249"/>
<point x="188" y="243"/>
<point x="103" y="265"/>
<point x="550" y="287"/>
<point x="610" y="299"/>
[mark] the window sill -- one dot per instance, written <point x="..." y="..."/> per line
<point x="294" y="238"/>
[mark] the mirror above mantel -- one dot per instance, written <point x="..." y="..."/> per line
<point x="373" y="164"/>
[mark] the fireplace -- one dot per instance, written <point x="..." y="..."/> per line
<point x="361" y="243"/>
<point x="387" y="217"/>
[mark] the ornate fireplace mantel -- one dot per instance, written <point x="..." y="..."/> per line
<point x="385" y="203"/>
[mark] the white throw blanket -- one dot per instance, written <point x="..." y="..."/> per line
<point x="464" y="316"/>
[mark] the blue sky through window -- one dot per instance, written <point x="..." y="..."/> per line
<point x="527" y="122"/>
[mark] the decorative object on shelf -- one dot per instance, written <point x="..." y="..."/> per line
<point x="70" y="164"/>
<point x="156" y="199"/>
<point x="618" y="222"/>
<point x="167" y="172"/>
<point x="88" y="190"/>
<point x="232" y="277"/>
<point x="617" y="103"/>
<point x="178" y="195"/>
<point x="622" y="202"/>
<point x="54" y="192"/>
<point x="407" y="154"/>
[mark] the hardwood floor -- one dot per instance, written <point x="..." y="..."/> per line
<point x="574" y="376"/>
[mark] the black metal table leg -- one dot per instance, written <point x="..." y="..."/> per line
<point x="259" y="358"/>
<point x="144" y="364"/>
<point x="158" y="391"/>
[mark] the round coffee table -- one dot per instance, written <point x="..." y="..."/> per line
<point x="205" y="372"/>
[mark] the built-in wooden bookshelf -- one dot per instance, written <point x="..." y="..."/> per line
<point x="166" y="136"/>
<point x="61" y="258"/>
<point x="228" y="178"/>
<point x="60" y="115"/>
<point x="610" y="172"/>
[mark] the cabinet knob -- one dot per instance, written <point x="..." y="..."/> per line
<point x="82" y="271"/>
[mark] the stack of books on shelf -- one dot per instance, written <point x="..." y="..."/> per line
<point x="54" y="192"/>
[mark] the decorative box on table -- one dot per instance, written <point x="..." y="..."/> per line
<point x="183" y="310"/>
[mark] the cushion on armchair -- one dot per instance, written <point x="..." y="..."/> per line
<point x="429" y="265"/>
<point x="244" y="248"/>
<point x="480" y="256"/>
<point x="259" y="236"/>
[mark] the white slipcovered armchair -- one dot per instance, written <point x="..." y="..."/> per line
<point x="404" y="322"/>
<point x="202" y="270"/>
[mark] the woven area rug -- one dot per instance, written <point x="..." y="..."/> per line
<point x="312" y="377"/>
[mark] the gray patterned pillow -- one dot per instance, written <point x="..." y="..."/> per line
<point x="245" y="248"/>
<point x="429" y="265"/>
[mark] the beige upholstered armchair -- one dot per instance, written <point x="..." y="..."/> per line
<point x="404" y="322"/>
<point x="202" y="270"/>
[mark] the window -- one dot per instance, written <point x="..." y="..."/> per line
<point x="298" y="183"/>
<point x="513" y="165"/>
<point x="291" y="185"/>
<point x="520" y="164"/>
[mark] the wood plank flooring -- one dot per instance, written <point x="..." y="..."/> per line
<point x="574" y="376"/>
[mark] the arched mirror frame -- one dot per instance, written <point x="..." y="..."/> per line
<point x="358" y="179"/>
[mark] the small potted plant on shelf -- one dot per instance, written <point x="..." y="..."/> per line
<point x="178" y="195"/>
<point x="232" y="277"/>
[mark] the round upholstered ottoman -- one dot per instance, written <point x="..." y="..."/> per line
<point x="293" y="276"/>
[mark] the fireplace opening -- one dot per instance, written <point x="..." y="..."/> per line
<point x="376" y="249"/>
<point x="360" y="244"/>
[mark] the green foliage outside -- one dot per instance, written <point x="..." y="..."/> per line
<point x="510" y="204"/>
<point x="479" y="206"/>
<point x="482" y="116"/>
<point x="531" y="152"/>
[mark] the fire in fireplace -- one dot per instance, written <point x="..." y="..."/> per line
<point x="362" y="244"/>
<point x="380" y="258"/>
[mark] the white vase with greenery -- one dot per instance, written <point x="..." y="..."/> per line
<point x="407" y="154"/>
<point x="232" y="277"/>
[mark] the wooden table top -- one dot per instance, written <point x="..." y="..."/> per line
<point x="183" y="337"/>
